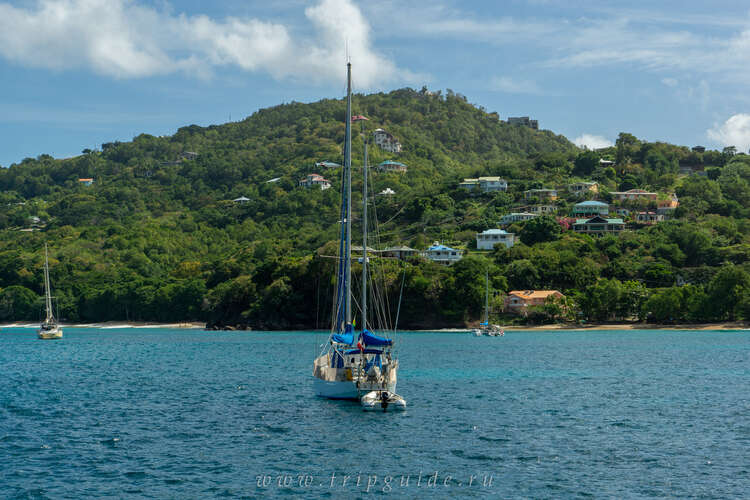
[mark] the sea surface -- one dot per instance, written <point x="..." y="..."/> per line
<point x="159" y="413"/>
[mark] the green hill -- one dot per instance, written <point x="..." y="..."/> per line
<point x="157" y="237"/>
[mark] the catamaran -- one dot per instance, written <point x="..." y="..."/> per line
<point x="359" y="366"/>
<point x="484" y="327"/>
<point x="49" y="329"/>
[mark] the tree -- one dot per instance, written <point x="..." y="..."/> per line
<point x="540" y="229"/>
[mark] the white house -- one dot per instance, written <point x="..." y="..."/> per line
<point x="386" y="141"/>
<point x="241" y="199"/>
<point x="443" y="254"/>
<point x="516" y="217"/>
<point x="487" y="240"/>
<point x="485" y="184"/>
<point x="387" y="192"/>
<point x="315" y="180"/>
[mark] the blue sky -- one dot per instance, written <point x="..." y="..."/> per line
<point x="77" y="73"/>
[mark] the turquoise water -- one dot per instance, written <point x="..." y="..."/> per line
<point x="190" y="414"/>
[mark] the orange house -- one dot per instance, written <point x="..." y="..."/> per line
<point x="518" y="301"/>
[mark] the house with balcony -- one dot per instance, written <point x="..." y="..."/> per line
<point x="484" y="184"/>
<point x="443" y="254"/>
<point x="542" y="194"/>
<point x="649" y="218"/>
<point x="392" y="166"/>
<point x="519" y="301"/>
<point x="399" y="252"/>
<point x="590" y="208"/>
<point x="633" y="194"/>
<point x="516" y="217"/>
<point x="598" y="225"/>
<point x="581" y="188"/>
<point x="487" y="240"/>
<point x="386" y="141"/>
<point x="539" y="209"/>
<point x="315" y="180"/>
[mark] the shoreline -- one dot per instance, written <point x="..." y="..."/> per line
<point x="192" y="325"/>
<point x="727" y="325"/>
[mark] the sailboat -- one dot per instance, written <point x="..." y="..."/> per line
<point x="484" y="327"/>
<point x="49" y="329"/>
<point x="357" y="366"/>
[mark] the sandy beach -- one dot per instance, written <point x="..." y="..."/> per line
<point x="113" y="325"/>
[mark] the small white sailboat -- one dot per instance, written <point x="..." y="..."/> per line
<point x="354" y="366"/>
<point x="485" y="328"/>
<point x="49" y="329"/>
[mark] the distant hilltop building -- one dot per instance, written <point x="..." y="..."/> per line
<point x="386" y="141"/>
<point x="524" y="121"/>
<point x="699" y="149"/>
<point x="86" y="182"/>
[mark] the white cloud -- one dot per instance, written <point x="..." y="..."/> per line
<point x="670" y="82"/>
<point x="592" y="141"/>
<point x="125" y="39"/>
<point x="734" y="132"/>
<point x="514" y="86"/>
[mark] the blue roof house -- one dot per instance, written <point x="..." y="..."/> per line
<point x="443" y="254"/>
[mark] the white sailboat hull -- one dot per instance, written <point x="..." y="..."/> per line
<point x="53" y="334"/>
<point x="343" y="390"/>
<point x="335" y="390"/>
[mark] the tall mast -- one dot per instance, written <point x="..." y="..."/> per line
<point x="487" y="298"/>
<point x="364" y="235"/>
<point x="48" y="297"/>
<point x="348" y="168"/>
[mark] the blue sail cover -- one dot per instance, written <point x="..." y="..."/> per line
<point x="370" y="338"/>
<point x="347" y="337"/>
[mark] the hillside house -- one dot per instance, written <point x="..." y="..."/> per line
<point x="516" y="217"/>
<point x="539" y="209"/>
<point x="519" y="301"/>
<point x="241" y="200"/>
<point x="399" y="252"/>
<point x="443" y="254"/>
<point x="86" y="182"/>
<point x="487" y="240"/>
<point x="315" y="180"/>
<point x="667" y="207"/>
<point x="387" y="192"/>
<point x="542" y="194"/>
<point x="386" y="141"/>
<point x="649" y="218"/>
<point x="598" y="225"/>
<point x="484" y="184"/>
<point x="633" y="194"/>
<point x="583" y="187"/>
<point x="589" y="208"/>
<point x="392" y="166"/>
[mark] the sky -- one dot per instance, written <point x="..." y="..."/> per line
<point x="77" y="73"/>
